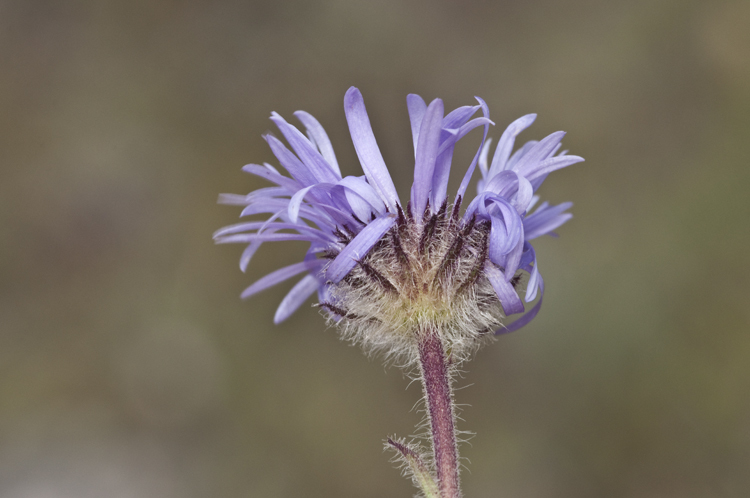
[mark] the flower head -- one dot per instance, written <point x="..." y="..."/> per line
<point x="386" y="272"/>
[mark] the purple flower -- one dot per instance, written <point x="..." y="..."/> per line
<point x="382" y="266"/>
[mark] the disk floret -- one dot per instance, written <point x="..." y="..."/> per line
<point x="425" y="275"/>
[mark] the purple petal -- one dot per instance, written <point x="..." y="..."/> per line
<point x="352" y="203"/>
<point x="258" y="170"/>
<point x="549" y="226"/>
<point x="537" y="182"/>
<point x="512" y="187"/>
<point x="545" y="167"/>
<point x="358" y="248"/>
<point x="459" y="116"/>
<point x="525" y="319"/>
<point x="509" y="299"/>
<point x="470" y="172"/>
<point x="246" y="238"/>
<point x="244" y="227"/>
<point x="295" y="202"/>
<point x="427" y="147"/>
<point x="517" y="155"/>
<point x="307" y="153"/>
<point x="320" y="137"/>
<point x="416" y="107"/>
<point x="271" y="168"/>
<point x="483" y="168"/>
<point x="504" y="184"/>
<point x="499" y="242"/>
<point x="367" y="148"/>
<point x="359" y="186"/>
<point x="513" y="259"/>
<point x="359" y="207"/>
<point x="546" y="219"/>
<point x="248" y="254"/>
<point x="440" y="178"/>
<point x="268" y="192"/>
<point x="232" y="199"/>
<point x="451" y="136"/>
<point x="523" y="197"/>
<point x="474" y="207"/>
<point x="326" y="197"/>
<point x="539" y="152"/>
<point x="290" y="162"/>
<point x="505" y="145"/>
<point x="294" y="299"/>
<point x="528" y="255"/>
<point x="534" y="281"/>
<point x="506" y="229"/>
<point x="532" y="203"/>
<point x="277" y="277"/>
<point x="275" y="205"/>
<point x="445" y="155"/>
<point x="543" y="206"/>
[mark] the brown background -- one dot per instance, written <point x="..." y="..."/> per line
<point x="130" y="368"/>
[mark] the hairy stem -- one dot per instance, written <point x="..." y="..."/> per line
<point x="437" y="388"/>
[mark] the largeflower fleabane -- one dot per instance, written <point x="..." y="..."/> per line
<point x="385" y="271"/>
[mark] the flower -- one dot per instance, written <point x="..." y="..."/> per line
<point x="383" y="271"/>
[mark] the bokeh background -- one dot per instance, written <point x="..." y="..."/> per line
<point x="130" y="368"/>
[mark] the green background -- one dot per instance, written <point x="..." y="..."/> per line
<point x="130" y="368"/>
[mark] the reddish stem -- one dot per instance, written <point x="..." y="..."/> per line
<point x="437" y="388"/>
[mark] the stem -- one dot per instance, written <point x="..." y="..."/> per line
<point x="437" y="388"/>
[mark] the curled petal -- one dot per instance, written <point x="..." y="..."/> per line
<point x="459" y="116"/>
<point x="506" y="228"/>
<point x="535" y="283"/>
<point x="509" y="299"/>
<point x="504" y="184"/>
<point x="470" y="172"/>
<point x="445" y="155"/>
<point x="295" y="202"/>
<point x="525" y="319"/>
<point x="524" y="195"/>
<point x="513" y="259"/>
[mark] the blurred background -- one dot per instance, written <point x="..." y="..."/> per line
<point x="130" y="368"/>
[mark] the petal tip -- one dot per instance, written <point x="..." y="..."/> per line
<point x="351" y="94"/>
